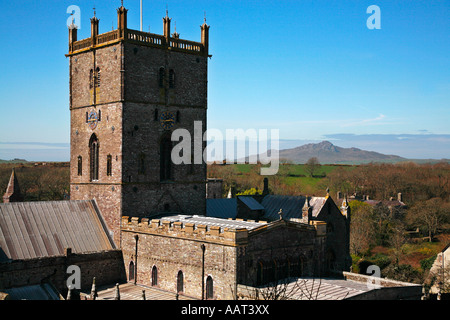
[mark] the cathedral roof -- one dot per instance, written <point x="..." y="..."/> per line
<point x="46" y="228"/>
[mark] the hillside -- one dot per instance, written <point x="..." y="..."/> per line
<point x="327" y="153"/>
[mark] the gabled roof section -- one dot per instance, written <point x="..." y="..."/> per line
<point x="251" y="203"/>
<point x="45" y="228"/>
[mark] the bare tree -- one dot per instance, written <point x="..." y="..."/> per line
<point x="312" y="165"/>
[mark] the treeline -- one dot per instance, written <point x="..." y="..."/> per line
<point x="416" y="182"/>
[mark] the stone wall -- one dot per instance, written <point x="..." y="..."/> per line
<point x="171" y="247"/>
<point x="105" y="266"/>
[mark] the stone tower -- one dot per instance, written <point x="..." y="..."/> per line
<point x="129" y="90"/>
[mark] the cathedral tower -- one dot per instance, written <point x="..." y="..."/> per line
<point x="128" y="91"/>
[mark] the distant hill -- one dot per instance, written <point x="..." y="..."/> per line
<point x="328" y="153"/>
<point x="14" y="161"/>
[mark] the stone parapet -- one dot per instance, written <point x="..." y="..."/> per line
<point x="186" y="230"/>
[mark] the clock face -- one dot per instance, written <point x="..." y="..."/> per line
<point x="92" y="120"/>
<point x="167" y="120"/>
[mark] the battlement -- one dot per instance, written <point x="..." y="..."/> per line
<point x="187" y="230"/>
<point x="123" y="34"/>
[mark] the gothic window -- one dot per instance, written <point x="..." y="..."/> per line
<point x="209" y="288"/>
<point x="93" y="157"/>
<point x="180" y="281"/>
<point x="141" y="164"/>
<point x="131" y="271"/>
<point x="161" y="76"/>
<point x="87" y="117"/>
<point x="165" y="158"/>
<point x="99" y="118"/>
<point x="171" y="79"/>
<point x="154" y="276"/>
<point x="155" y="115"/>
<point x="178" y="116"/>
<point x="80" y="165"/>
<point x="108" y="165"/>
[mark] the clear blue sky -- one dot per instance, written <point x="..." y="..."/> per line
<point x="311" y="69"/>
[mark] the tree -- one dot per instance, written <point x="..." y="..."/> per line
<point x="429" y="214"/>
<point x="312" y="165"/>
<point x="362" y="228"/>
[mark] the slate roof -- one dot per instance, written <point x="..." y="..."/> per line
<point x="251" y="203"/>
<point x="43" y="291"/>
<point x="45" y="228"/>
<point x="221" y="208"/>
<point x="271" y="204"/>
<point x="291" y="206"/>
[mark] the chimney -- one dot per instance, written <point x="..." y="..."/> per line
<point x="266" y="187"/>
<point x="339" y="195"/>
<point x="400" y="197"/>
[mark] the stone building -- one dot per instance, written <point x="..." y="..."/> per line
<point x="129" y="91"/>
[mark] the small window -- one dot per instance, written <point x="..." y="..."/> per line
<point x="154" y="276"/>
<point x="162" y="73"/>
<point x="108" y="165"/>
<point x="178" y="117"/>
<point x="171" y="79"/>
<point x="141" y="164"/>
<point x="209" y="288"/>
<point x="80" y="165"/>
<point x="155" y="115"/>
<point x="99" y="118"/>
<point x="180" y="281"/>
<point x="131" y="271"/>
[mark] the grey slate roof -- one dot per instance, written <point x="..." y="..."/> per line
<point x="291" y="206"/>
<point x="41" y="292"/>
<point x="221" y="208"/>
<point x="45" y="228"/>
<point x="251" y="203"/>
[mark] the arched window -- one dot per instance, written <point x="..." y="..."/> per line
<point x="154" y="276"/>
<point x="108" y="165"/>
<point x="93" y="157"/>
<point x="180" y="281"/>
<point x="131" y="271"/>
<point x="165" y="150"/>
<point x="209" y="288"/>
<point x="155" y="115"/>
<point x="178" y="117"/>
<point x="80" y="165"/>
<point x="161" y="76"/>
<point x="171" y="79"/>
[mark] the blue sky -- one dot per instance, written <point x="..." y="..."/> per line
<point x="311" y="69"/>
